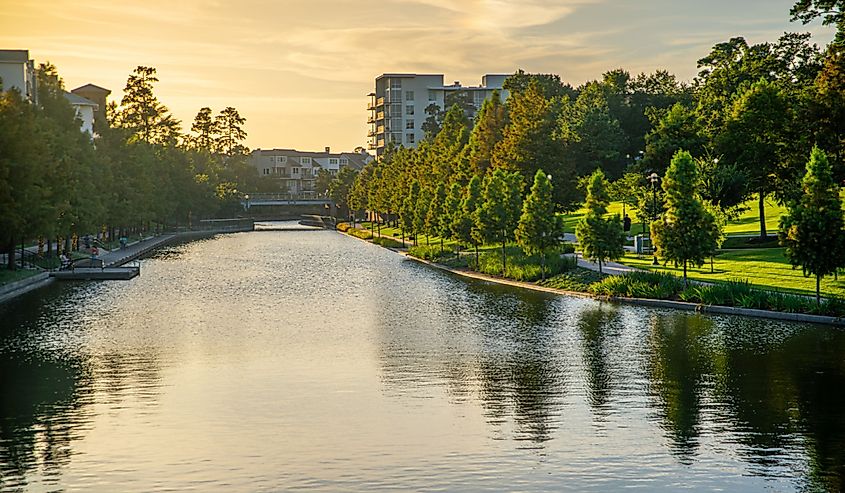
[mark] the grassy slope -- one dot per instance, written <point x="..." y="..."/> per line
<point x="747" y="223"/>
<point x="765" y="268"/>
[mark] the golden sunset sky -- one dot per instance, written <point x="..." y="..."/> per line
<point x="299" y="70"/>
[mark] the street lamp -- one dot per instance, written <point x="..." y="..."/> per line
<point x="246" y="198"/>
<point x="654" y="179"/>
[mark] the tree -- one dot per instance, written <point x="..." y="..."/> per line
<point x="206" y="131"/>
<point x="421" y="213"/>
<point x="408" y="212"/>
<point x="435" y="215"/>
<point x="812" y="230"/>
<point x="678" y="128"/>
<point x="687" y="232"/>
<point x="601" y="238"/>
<point x="340" y="188"/>
<point x="539" y="228"/>
<point x="489" y="125"/>
<point x="832" y="12"/>
<point x="756" y="139"/>
<point x="230" y="132"/>
<point x="142" y="114"/>
<point x="451" y="210"/>
<point x="499" y="209"/>
<point x="529" y="143"/>
<point x="465" y="223"/>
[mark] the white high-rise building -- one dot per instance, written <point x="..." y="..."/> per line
<point x="397" y="108"/>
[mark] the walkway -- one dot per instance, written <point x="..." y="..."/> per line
<point x="120" y="256"/>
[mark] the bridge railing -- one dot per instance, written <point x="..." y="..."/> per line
<point x="307" y="195"/>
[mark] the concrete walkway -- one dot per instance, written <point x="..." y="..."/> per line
<point x="120" y="256"/>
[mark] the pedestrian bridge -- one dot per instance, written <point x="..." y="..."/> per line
<point x="280" y="206"/>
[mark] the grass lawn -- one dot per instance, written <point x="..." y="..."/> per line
<point x="765" y="268"/>
<point x="747" y="223"/>
<point x="7" y="276"/>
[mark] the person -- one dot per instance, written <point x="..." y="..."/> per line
<point x="65" y="261"/>
<point x="626" y="223"/>
<point x="94" y="252"/>
<point x="123" y="241"/>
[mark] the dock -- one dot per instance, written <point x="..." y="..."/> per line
<point x="98" y="274"/>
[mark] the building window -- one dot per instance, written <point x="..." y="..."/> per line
<point x="396" y="83"/>
<point x="409" y="109"/>
<point x="304" y="160"/>
<point x="432" y="95"/>
<point x="344" y="161"/>
<point x="333" y="160"/>
<point x="409" y="95"/>
<point x="266" y="171"/>
<point x="281" y="159"/>
<point x="409" y="124"/>
<point x="409" y="138"/>
<point x="294" y="171"/>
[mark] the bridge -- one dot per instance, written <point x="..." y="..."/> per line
<point x="275" y="206"/>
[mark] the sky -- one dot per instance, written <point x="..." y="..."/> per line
<point x="299" y="70"/>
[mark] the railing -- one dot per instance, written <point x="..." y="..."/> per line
<point x="302" y="195"/>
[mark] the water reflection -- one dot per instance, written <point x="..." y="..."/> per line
<point x="348" y="368"/>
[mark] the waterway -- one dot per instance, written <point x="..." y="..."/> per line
<point x="293" y="360"/>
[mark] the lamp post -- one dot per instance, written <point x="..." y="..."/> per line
<point x="653" y="178"/>
<point x="246" y="198"/>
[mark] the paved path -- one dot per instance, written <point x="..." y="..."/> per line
<point x="134" y="250"/>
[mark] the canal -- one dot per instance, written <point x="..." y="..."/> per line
<point x="286" y="360"/>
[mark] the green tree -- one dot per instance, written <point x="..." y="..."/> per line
<point x="408" y="212"/>
<point x="832" y="12"/>
<point x="500" y="208"/>
<point x="465" y="223"/>
<point x="677" y="128"/>
<point x="142" y="114"/>
<point x="435" y="216"/>
<point x="687" y="232"/>
<point x="489" y="126"/>
<point x="539" y="227"/>
<point x="421" y="213"/>
<point x="340" y="188"/>
<point x="451" y="210"/>
<point x="205" y="130"/>
<point x="230" y="133"/>
<point x="812" y="230"/>
<point x="601" y="238"/>
<point x="756" y="138"/>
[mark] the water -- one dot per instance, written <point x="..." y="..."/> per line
<point x="289" y="360"/>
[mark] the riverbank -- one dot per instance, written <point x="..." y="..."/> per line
<point x="114" y="258"/>
<point x="652" y="302"/>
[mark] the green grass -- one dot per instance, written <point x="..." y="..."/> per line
<point x="765" y="268"/>
<point x="9" y="276"/>
<point x="747" y="223"/>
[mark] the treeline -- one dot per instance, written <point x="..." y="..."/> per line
<point x="138" y="173"/>
<point x="749" y="119"/>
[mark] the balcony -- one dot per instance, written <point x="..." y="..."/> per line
<point x="371" y="120"/>
<point x="380" y="101"/>
<point x="380" y="115"/>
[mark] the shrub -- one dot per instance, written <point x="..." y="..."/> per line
<point x="577" y="279"/>
<point x="522" y="267"/>
<point x="360" y="233"/>
<point x="640" y="285"/>
<point x="343" y="227"/>
<point x="387" y="242"/>
<point x="427" y="252"/>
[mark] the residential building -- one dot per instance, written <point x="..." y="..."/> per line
<point x="18" y="71"/>
<point x="85" y="110"/>
<point x="296" y="171"/>
<point x="97" y="95"/>
<point x="397" y="107"/>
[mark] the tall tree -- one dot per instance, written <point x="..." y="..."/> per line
<point x="465" y="224"/>
<point x="812" y="230"/>
<point x="435" y="216"/>
<point x="756" y="139"/>
<point x="205" y="130"/>
<point x="141" y="113"/>
<point x="230" y="133"/>
<point x="601" y="238"/>
<point x="488" y="130"/>
<point x="687" y="232"/>
<point x="539" y="227"/>
<point x="500" y="207"/>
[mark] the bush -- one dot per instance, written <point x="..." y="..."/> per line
<point x="360" y="233"/>
<point x="567" y="248"/>
<point x="577" y="279"/>
<point x="387" y="242"/>
<point x="427" y="252"/>
<point x="522" y="267"/>
<point x="652" y="285"/>
<point x="343" y="227"/>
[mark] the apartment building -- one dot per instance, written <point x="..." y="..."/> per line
<point x="17" y="71"/>
<point x="296" y="171"/>
<point x="397" y="106"/>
